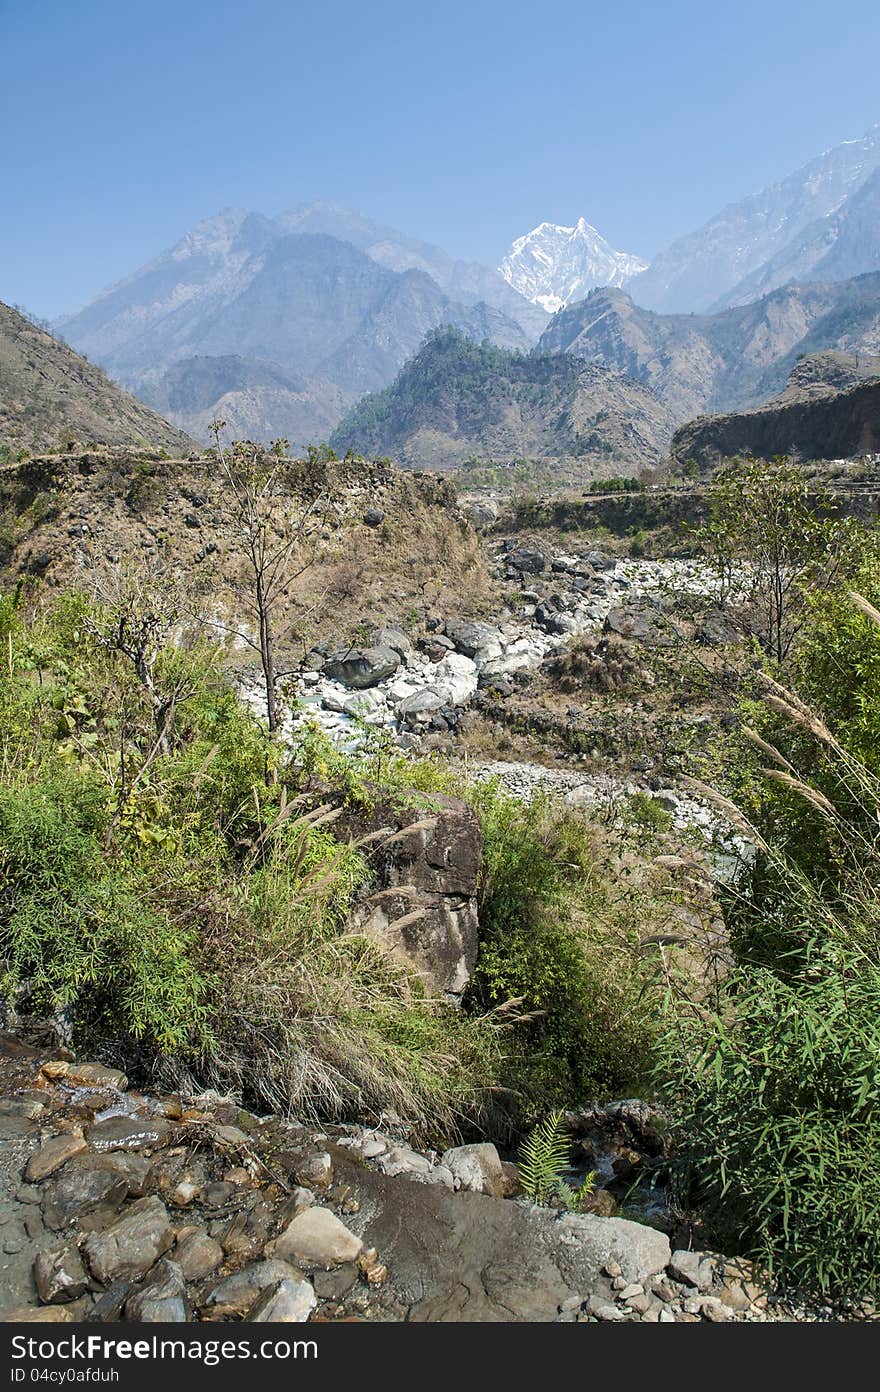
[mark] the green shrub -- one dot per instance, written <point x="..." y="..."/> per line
<point x="645" y="813"/>
<point x="778" y="1120"/>
<point x="77" y="932"/>
<point x="553" y="939"/>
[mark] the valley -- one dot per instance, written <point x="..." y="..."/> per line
<point x="440" y="771"/>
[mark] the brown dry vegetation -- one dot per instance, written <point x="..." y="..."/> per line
<point x="63" y="515"/>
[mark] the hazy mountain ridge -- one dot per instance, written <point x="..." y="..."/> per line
<point x="846" y="243"/>
<point x="457" y="399"/>
<point x="830" y="409"/>
<point x="304" y="302"/>
<point x="719" y="362"/>
<point x="467" y="282"/>
<point x="726" y="260"/>
<point x="246" y="393"/>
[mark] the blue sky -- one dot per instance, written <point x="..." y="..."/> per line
<point x="122" y="124"/>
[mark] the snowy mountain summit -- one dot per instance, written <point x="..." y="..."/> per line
<point x="553" y="265"/>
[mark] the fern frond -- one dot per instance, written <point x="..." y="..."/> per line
<point x="544" y="1157"/>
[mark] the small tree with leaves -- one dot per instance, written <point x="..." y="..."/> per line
<point x="771" y="539"/>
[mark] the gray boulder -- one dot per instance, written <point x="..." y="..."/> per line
<point x="128" y="1133"/>
<point x="361" y="667"/>
<point x="527" y="559"/>
<point x="641" y="623"/>
<point x="236" y="1294"/>
<point x="83" y="1185"/>
<point x="60" y="1275"/>
<point x="418" y="709"/>
<point x="395" y="639"/>
<point x="479" y="641"/>
<point x="476" y="1168"/>
<point x="289" y="1302"/>
<point x="131" y="1245"/>
<point x="480" y="512"/>
<point x="466" y="1256"/>
<point x="425" y="913"/>
<point x="162" y="1300"/>
<point x="316" y="1237"/>
<point x="198" y="1255"/>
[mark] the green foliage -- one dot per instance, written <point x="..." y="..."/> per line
<point x="554" y="939"/>
<point x="618" y="484"/>
<point x="645" y="813"/>
<point x="775" y="1096"/>
<point x="839" y="665"/>
<point x="484" y="382"/>
<point x="77" y="930"/>
<point x="543" y="1162"/>
<point x="174" y="902"/>
<point x="778" y="1117"/>
<point x="544" y="1157"/>
<point x="771" y="540"/>
<point x="511" y="476"/>
<point x="574" y="1199"/>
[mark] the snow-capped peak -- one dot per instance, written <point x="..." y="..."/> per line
<point x="554" y="265"/>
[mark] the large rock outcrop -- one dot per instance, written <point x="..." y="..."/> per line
<point x="422" y="903"/>
<point x="813" y="418"/>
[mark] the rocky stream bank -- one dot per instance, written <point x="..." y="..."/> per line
<point x="121" y="1206"/>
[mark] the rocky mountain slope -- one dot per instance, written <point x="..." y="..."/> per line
<point x="384" y="542"/>
<point x="340" y="316"/>
<point x="553" y="265"/>
<point x="50" y="395"/>
<point x="845" y="243"/>
<point x="456" y="399"/>
<point x="718" y="362"/>
<point x="784" y="232"/>
<point x="255" y="398"/>
<point x="830" y="409"/>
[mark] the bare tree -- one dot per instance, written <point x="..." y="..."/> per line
<point x="136" y="612"/>
<point x="272" y="543"/>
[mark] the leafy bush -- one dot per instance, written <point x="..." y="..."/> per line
<point x="778" y="1112"/>
<point x="74" y="930"/>
<point x="554" y="939"/>
<point x="182" y="911"/>
<point x="645" y="812"/>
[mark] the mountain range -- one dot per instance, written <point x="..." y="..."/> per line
<point x="299" y="321"/>
<point x="829" y="409"/>
<point x="553" y="265"/>
<point x="280" y="325"/>
<point x="719" y="362"/>
<point x="648" y="374"/>
<point x="788" y="231"/>
<point x="820" y="223"/>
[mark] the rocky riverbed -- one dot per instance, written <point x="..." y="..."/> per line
<point x="411" y="688"/>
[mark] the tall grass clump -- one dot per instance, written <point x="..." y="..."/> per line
<point x="775" y="1094"/>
